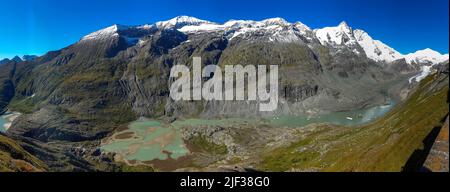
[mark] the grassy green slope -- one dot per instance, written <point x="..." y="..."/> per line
<point x="15" y="158"/>
<point x="383" y="145"/>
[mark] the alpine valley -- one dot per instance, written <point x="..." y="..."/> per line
<point x="347" y="102"/>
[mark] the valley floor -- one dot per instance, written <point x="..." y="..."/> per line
<point x="385" y="144"/>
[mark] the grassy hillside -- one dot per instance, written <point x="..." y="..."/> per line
<point x="383" y="145"/>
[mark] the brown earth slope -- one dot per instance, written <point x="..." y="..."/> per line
<point x="15" y="158"/>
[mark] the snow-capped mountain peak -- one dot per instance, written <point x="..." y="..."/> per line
<point x="375" y="49"/>
<point x="344" y="27"/>
<point x="426" y="56"/>
<point x="238" y="23"/>
<point x="272" y="28"/>
<point x="302" y="27"/>
<point x="182" y="21"/>
<point x="338" y="35"/>
<point x="279" y="30"/>
<point x="106" y="32"/>
<point x="275" y="21"/>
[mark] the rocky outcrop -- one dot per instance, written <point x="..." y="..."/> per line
<point x="437" y="160"/>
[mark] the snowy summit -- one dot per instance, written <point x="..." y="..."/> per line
<point x="280" y="30"/>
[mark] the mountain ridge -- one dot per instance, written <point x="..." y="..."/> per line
<point x="19" y="59"/>
<point x="334" y="35"/>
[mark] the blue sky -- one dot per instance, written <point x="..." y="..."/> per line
<point x="38" y="26"/>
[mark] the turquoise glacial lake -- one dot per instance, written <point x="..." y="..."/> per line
<point x="147" y="140"/>
<point x="347" y="118"/>
<point x="7" y="118"/>
<point x="2" y="124"/>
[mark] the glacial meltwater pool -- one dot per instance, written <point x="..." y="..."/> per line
<point x="147" y="140"/>
<point x="348" y="118"/>
<point x="2" y="124"/>
<point x="6" y="119"/>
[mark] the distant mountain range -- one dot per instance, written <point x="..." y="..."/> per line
<point x="278" y="29"/>
<point x="275" y="29"/>
<point x="18" y="59"/>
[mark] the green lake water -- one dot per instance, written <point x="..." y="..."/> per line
<point x="147" y="144"/>
<point x="211" y="122"/>
<point x="348" y="118"/>
<point x="164" y="139"/>
<point x="3" y="120"/>
<point x="2" y="124"/>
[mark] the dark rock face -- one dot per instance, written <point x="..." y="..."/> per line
<point x="402" y="67"/>
<point x="442" y="67"/>
<point x="299" y="93"/>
